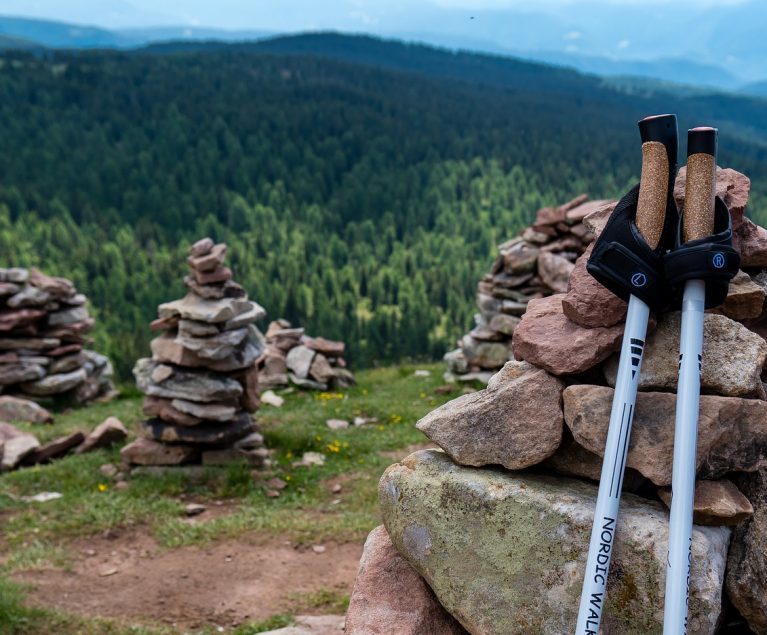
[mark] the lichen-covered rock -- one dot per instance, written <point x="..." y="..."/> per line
<point x="733" y="358"/>
<point x="390" y="598"/>
<point x="505" y="553"/>
<point x="515" y="422"/>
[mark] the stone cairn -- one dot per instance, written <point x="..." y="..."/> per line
<point x="534" y="265"/>
<point x="43" y="326"/>
<point x="201" y="383"/>
<point x="490" y="534"/>
<point x="314" y="363"/>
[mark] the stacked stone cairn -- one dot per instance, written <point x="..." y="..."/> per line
<point x="201" y="383"/>
<point x="43" y="327"/>
<point x="535" y="264"/>
<point x="489" y="535"/>
<point x="292" y="357"/>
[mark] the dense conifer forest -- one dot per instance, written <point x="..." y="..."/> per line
<point x="361" y="185"/>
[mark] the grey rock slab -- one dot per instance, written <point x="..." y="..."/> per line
<point x="254" y="313"/>
<point x="148" y="452"/>
<point x="216" y="347"/>
<point x="516" y="421"/>
<point x="16" y="449"/>
<point x="210" y="411"/>
<point x="193" y="328"/>
<point x="28" y="343"/>
<point x="68" y="316"/>
<point x="505" y="553"/>
<point x="14" y="274"/>
<point x="108" y="433"/>
<point x="299" y="361"/>
<point x="191" y="385"/>
<point x="733" y="358"/>
<point x="490" y="355"/>
<point x="29" y="296"/>
<point x="55" y="384"/>
<point x="16" y="373"/>
<point x="192" y="307"/>
<point x="214" y="434"/>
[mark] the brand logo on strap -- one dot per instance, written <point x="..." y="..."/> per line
<point x="719" y="261"/>
<point x="639" y="279"/>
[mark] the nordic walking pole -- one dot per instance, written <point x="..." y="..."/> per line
<point x="697" y="223"/>
<point x="624" y="272"/>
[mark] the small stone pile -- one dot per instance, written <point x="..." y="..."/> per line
<point x="536" y="264"/>
<point x="43" y="326"/>
<point x="201" y="383"/>
<point x="494" y="551"/>
<point x="291" y="356"/>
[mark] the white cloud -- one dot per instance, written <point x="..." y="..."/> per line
<point x="572" y="35"/>
<point x="623" y="44"/>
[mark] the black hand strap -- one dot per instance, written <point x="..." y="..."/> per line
<point x="624" y="263"/>
<point x="712" y="259"/>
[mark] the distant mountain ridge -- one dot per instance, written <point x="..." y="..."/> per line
<point x="19" y="32"/>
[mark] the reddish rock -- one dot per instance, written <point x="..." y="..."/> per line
<point x="165" y="324"/>
<point x="104" y="435"/>
<point x="210" y="260"/>
<point x="250" y="400"/>
<point x="745" y="298"/>
<point x="516" y="422"/>
<point x="555" y="271"/>
<point x="716" y="503"/>
<point x="163" y="409"/>
<point x="596" y="221"/>
<point x="577" y="214"/>
<point x="54" y="449"/>
<point x="390" y="598"/>
<point x="57" y="287"/>
<point x="587" y="302"/>
<point x="216" y="276"/>
<point x="10" y="320"/>
<point x="201" y="247"/>
<point x="65" y="350"/>
<point x="520" y="258"/>
<point x="548" y="339"/>
<point x="329" y="348"/>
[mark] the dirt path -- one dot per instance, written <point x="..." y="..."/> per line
<point x="226" y="584"/>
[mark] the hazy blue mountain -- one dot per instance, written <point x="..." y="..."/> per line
<point x="167" y="33"/>
<point x="59" y="34"/>
<point x="10" y="42"/>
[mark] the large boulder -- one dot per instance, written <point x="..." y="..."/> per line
<point x="515" y="422"/>
<point x="16" y="409"/>
<point x="733" y="358"/>
<point x="547" y="338"/>
<point x="390" y="598"/>
<point x="746" y="581"/>
<point x="505" y="553"/>
<point x="732" y="435"/>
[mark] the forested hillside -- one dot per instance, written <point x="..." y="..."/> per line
<point x="358" y="199"/>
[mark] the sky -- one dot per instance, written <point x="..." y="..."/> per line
<point x="285" y="14"/>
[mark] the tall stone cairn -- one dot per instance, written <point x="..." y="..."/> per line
<point x="201" y="383"/>
<point x="497" y="523"/>
<point x="292" y="357"/>
<point x="535" y="264"/>
<point x="43" y="327"/>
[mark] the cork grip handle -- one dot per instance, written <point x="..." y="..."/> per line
<point x="659" y="150"/>
<point x="700" y="188"/>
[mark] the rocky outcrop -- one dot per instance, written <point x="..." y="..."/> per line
<point x="534" y="265"/>
<point x="201" y="383"/>
<point x="44" y="323"/>
<point x="504" y="552"/>
<point x="291" y="357"/>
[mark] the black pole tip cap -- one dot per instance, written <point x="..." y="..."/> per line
<point x="702" y="140"/>
<point x="661" y="128"/>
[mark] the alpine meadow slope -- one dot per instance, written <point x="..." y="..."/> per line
<point x="361" y="184"/>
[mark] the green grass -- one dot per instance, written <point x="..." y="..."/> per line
<point x="34" y="534"/>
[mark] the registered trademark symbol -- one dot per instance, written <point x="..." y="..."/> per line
<point x="719" y="260"/>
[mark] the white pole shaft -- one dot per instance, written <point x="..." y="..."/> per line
<point x="685" y="445"/>
<point x="613" y="466"/>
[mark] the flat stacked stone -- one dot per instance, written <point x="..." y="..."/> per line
<point x="534" y="265"/>
<point x="201" y="383"/>
<point x="44" y="323"/>
<point x="498" y="521"/>
<point x="292" y="357"/>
